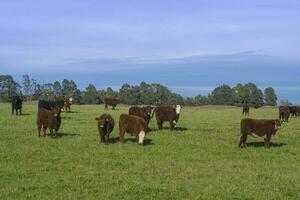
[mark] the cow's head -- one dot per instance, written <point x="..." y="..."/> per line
<point x="102" y="122"/>
<point x="148" y="111"/>
<point x="178" y="109"/>
<point x="56" y="111"/>
<point x="142" y="135"/>
<point x="277" y="124"/>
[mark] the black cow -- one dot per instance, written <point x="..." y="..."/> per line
<point x="50" y="104"/>
<point x="246" y="109"/>
<point x="16" y="105"/>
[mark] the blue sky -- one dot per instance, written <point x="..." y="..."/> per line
<point x="191" y="46"/>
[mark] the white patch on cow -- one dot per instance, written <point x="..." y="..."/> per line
<point x="71" y="99"/>
<point x="177" y="110"/>
<point x="101" y="126"/>
<point x="174" y="122"/>
<point x="141" y="137"/>
<point x="253" y="134"/>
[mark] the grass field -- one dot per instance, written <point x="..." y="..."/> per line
<point x="200" y="160"/>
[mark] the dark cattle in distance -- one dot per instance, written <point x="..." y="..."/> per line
<point x="111" y="102"/>
<point x="246" y="110"/>
<point x="143" y="112"/>
<point x="260" y="128"/>
<point x="16" y="105"/>
<point x="49" y="119"/>
<point x="167" y="113"/>
<point x="105" y="127"/>
<point x="50" y="104"/>
<point x="134" y="125"/>
<point x="294" y="110"/>
<point x="284" y="113"/>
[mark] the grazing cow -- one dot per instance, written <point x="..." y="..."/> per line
<point x="67" y="104"/>
<point x="143" y="112"/>
<point x="105" y="126"/>
<point x="298" y="110"/>
<point x="284" y="113"/>
<point x="258" y="128"/>
<point x="111" y="102"/>
<point x="134" y="125"/>
<point x="50" y="104"/>
<point x="167" y="113"/>
<point x="246" y="109"/>
<point x="16" y="105"/>
<point x="48" y="119"/>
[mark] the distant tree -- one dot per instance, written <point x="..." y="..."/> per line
<point x="110" y="93"/>
<point x="57" y="89"/>
<point x="8" y="87"/>
<point x="222" y="95"/>
<point x="27" y="88"/>
<point x="91" y="95"/>
<point x="125" y="94"/>
<point x="270" y="96"/>
<point x="201" y="100"/>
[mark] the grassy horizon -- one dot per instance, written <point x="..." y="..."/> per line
<point x="201" y="160"/>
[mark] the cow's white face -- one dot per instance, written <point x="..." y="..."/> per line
<point x="141" y="137"/>
<point x="178" y="109"/>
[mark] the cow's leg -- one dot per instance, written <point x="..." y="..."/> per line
<point x="113" y="107"/>
<point x="121" y="136"/>
<point x="268" y="141"/>
<point x="106" y="107"/>
<point x="101" y="138"/>
<point x="172" y="125"/>
<point x="17" y="111"/>
<point x="39" y="130"/>
<point x="12" y="110"/>
<point x="106" y="137"/>
<point x="44" y="131"/>
<point x="243" y="139"/>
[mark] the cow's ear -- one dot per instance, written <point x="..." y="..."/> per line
<point x="97" y="118"/>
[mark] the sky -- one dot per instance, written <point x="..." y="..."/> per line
<point x="191" y="46"/>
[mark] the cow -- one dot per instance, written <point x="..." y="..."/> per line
<point x="49" y="119"/>
<point x="16" y="105"/>
<point x="67" y="104"/>
<point x="50" y="104"/>
<point x="143" y="112"/>
<point x="284" y="113"/>
<point x="246" y="109"/>
<point x="111" y="102"/>
<point x="167" y="113"/>
<point x="134" y="125"/>
<point x="298" y="110"/>
<point x="260" y="128"/>
<point x="105" y="127"/>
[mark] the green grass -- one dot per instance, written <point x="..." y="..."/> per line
<point x="201" y="161"/>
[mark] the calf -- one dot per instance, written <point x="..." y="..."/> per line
<point x="258" y="128"/>
<point x="246" y="109"/>
<point x="67" y="104"/>
<point x="143" y="112"/>
<point x="167" y="113"/>
<point x="111" y="102"/>
<point x="134" y="125"/>
<point x="284" y="113"/>
<point x="16" y="105"/>
<point x="48" y="119"/>
<point x="105" y="126"/>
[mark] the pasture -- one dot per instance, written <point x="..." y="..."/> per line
<point x="200" y="160"/>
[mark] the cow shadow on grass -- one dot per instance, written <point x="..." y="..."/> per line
<point x="71" y="112"/>
<point x="60" y="135"/>
<point x="25" y="114"/>
<point x="115" y="140"/>
<point x="177" y="129"/>
<point x="262" y="144"/>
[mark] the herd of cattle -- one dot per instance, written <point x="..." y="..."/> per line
<point x="137" y="120"/>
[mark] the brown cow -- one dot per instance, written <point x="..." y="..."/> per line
<point x="143" y="112"/>
<point x="111" y="102"/>
<point x="134" y="125"/>
<point x="67" y="104"/>
<point x="48" y="119"/>
<point x="260" y="128"/>
<point x="284" y="113"/>
<point x="105" y="126"/>
<point x="167" y="113"/>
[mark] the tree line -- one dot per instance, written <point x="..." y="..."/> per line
<point x="142" y="94"/>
